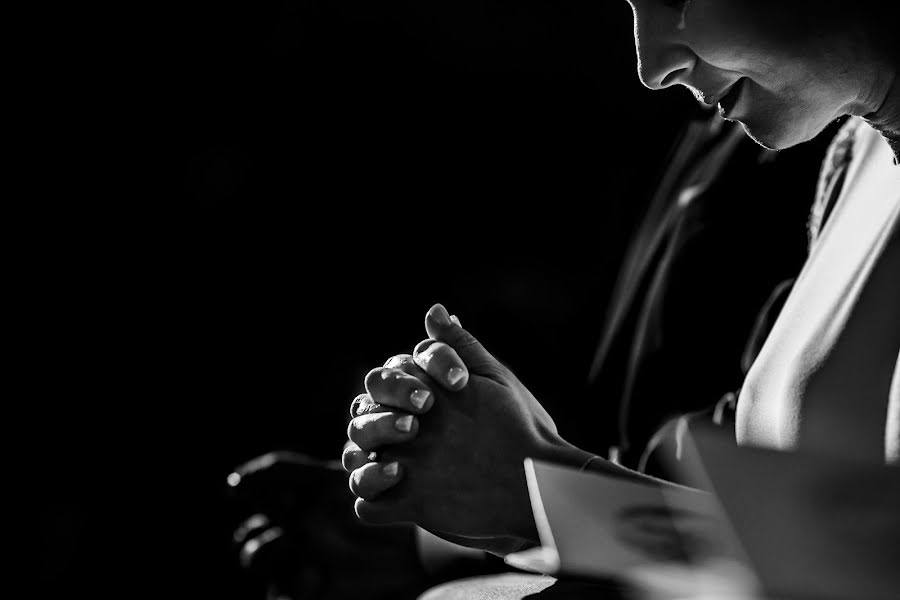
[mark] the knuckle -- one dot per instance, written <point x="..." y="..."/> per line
<point x="392" y="376"/>
<point x="437" y="358"/>
<point x="356" y="429"/>
<point x="391" y="388"/>
<point x="364" y="482"/>
<point x="423" y="346"/>
<point x="373" y="512"/>
<point x="449" y="355"/>
<point x="380" y="379"/>
<point x="367" y="512"/>
<point x="465" y="340"/>
<point x="372" y="430"/>
<point x="408" y="365"/>
<point x="397" y="360"/>
<point x="253" y="524"/>
<point x="351" y="457"/>
<point x="361" y="510"/>
<point x="354" y="482"/>
<point x="373" y="378"/>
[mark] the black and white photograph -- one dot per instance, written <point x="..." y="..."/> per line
<point x="470" y="299"/>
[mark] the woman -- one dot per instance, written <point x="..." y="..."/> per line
<point x="828" y="377"/>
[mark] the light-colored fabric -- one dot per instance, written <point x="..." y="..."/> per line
<point x="521" y="586"/>
<point x="509" y="586"/>
<point x="831" y="177"/>
<point x="823" y="378"/>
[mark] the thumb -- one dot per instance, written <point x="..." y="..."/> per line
<point x="442" y="327"/>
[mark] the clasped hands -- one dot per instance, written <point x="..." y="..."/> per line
<point x="439" y="439"/>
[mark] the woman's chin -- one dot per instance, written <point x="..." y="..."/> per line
<point x="777" y="136"/>
<point x="762" y="141"/>
<point x="784" y="127"/>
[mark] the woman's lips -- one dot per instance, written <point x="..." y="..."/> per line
<point x="730" y="100"/>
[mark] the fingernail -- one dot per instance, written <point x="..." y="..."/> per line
<point x="455" y="319"/>
<point x="455" y="374"/>
<point x="404" y="424"/>
<point x="391" y="469"/>
<point x="440" y="315"/>
<point x="419" y="397"/>
<point x="359" y="405"/>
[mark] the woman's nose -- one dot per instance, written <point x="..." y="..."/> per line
<point x="663" y="57"/>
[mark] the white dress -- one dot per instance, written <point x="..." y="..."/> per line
<point x="828" y="377"/>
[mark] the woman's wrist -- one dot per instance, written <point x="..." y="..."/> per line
<point x="564" y="453"/>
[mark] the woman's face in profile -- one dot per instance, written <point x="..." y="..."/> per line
<point x="783" y="68"/>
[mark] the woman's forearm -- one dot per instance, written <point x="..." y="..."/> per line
<point x="570" y="455"/>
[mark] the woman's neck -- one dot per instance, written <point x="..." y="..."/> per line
<point x="886" y="119"/>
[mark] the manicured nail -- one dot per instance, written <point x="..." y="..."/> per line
<point x="440" y="315"/>
<point x="419" y="397"/>
<point x="455" y="320"/>
<point x="361" y="405"/>
<point x="391" y="469"/>
<point x="404" y="424"/>
<point x="455" y="374"/>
